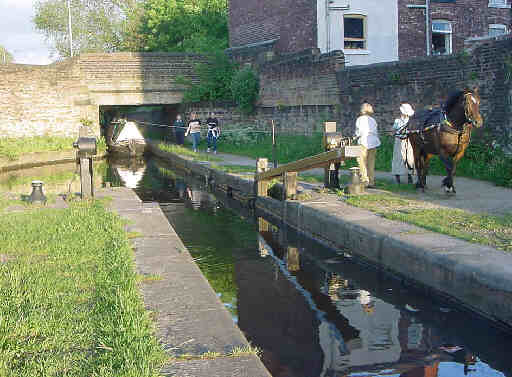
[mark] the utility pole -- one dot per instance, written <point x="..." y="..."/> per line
<point x="69" y="29"/>
<point x="425" y="6"/>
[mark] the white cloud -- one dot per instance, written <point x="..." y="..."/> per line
<point x="17" y="33"/>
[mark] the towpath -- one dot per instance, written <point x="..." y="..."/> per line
<point x="472" y="195"/>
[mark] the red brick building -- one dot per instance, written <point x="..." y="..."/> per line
<point x="451" y="23"/>
<point x="294" y="25"/>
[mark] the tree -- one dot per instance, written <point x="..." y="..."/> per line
<point x="5" y="56"/>
<point x="184" y="25"/>
<point x="97" y="25"/>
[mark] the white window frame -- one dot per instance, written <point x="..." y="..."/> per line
<point x="498" y="27"/>
<point x="365" y="32"/>
<point x="448" y="34"/>
<point x="499" y="4"/>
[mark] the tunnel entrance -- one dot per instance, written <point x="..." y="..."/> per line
<point x="150" y="119"/>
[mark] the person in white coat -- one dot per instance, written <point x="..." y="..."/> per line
<point x="403" y="156"/>
<point x="368" y="137"/>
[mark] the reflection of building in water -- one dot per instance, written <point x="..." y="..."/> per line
<point x="378" y="340"/>
<point x="130" y="178"/>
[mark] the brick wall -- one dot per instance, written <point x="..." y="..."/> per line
<point x="469" y="18"/>
<point x="427" y="81"/>
<point x="293" y="22"/>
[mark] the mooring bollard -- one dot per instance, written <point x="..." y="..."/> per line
<point x="37" y="195"/>
<point x="86" y="149"/>
<point x="355" y="187"/>
<point x="261" y="187"/>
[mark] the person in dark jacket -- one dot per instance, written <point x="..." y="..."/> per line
<point x="179" y="129"/>
<point x="213" y="132"/>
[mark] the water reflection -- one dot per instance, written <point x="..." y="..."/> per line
<point x="312" y="311"/>
<point x="385" y="329"/>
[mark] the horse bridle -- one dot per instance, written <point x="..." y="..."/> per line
<point x="467" y="106"/>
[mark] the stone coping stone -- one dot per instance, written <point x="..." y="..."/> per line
<point x="190" y="318"/>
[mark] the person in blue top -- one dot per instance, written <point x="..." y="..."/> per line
<point x="403" y="156"/>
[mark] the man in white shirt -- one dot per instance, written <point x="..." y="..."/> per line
<point x="368" y="137"/>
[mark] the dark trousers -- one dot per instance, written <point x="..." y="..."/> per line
<point x="180" y="136"/>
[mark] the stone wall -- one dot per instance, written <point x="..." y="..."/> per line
<point x="42" y="100"/>
<point x="426" y="81"/>
<point x="51" y="100"/>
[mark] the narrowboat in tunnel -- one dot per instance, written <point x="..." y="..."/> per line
<point x="124" y="139"/>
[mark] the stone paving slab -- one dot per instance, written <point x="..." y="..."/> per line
<point x="190" y="318"/>
<point x="247" y="366"/>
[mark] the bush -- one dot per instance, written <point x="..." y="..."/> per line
<point x="245" y="88"/>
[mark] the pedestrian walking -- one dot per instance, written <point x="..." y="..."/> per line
<point x="368" y="137"/>
<point x="403" y="156"/>
<point x="213" y="132"/>
<point x="194" y="129"/>
<point x="179" y="130"/>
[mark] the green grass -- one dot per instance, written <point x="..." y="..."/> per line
<point x="235" y="169"/>
<point x="182" y="151"/>
<point x="13" y="148"/>
<point x="15" y="179"/>
<point x="494" y="231"/>
<point x="70" y="303"/>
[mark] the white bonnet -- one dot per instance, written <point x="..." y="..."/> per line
<point x="407" y="109"/>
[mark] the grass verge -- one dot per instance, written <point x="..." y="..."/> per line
<point x="70" y="303"/>
<point x="494" y="231"/>
<point x="182" y="151"/>
<point x="13" y="148"/>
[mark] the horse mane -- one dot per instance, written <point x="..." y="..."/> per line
<point x="453" y="99"/>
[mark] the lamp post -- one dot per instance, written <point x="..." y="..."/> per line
<point x="425" y="6"/>
<point x="69" y="29"/>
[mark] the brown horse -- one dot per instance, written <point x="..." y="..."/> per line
<point x="445" y="133"/>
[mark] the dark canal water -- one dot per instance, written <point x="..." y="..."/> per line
<point x="315" y="311"/>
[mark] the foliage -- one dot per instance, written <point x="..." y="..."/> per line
<point x="245" y="89"/>
<point x="184" y="25"/>
<point x="5" y="56"/>
<point x="12" y="148"/>
<point x="69" y="297"/>
<point x="215" y="76"/>
<point x="97" y="25"/>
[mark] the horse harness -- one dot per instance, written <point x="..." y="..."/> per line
<point x="445" y="125"/>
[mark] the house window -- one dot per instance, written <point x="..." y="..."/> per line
<point x="497" y="29"/>
<point x="441" y="37"/>
<point x="354" y="27"/>
<point x="498" y="4"/>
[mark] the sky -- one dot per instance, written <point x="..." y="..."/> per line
<point x="17" y="33"/>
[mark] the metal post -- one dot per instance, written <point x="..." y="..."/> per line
<point x="69" y="29"/>
<point x="274" y="144"/>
